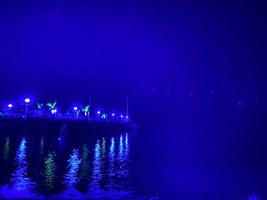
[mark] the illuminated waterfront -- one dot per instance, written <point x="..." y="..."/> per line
<point x="95" y="168"/>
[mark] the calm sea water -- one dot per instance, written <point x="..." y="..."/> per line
<point x="216" y="155"/>
<point x="50" y="167"/>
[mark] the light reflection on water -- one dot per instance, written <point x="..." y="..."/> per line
<point x="111" y="170"/>
<point x="84" y="172"/>
<point x="50" y="168"/>
<point x="20" y="179"/>
<point x="103" y="147"/>
<point x="112" y="158"/>
<point x="73" y="165"/>
<point x="101" y="172"/>
<point x="42" y="146"/>
<point x="97" y="175"/>
<point x="6" y="149"/>
<point x="122" y="172"/>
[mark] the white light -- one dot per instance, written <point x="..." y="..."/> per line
<point x="27" y="100"/>
<point x="127" y="117"/>
<point x="113" y="114"/>
<point x="54" y="111"/>
<point x="10" y="105"/>
<point x="98" y="112"/>
<point x="75" y="108"/>
<point x="121" y="116"/>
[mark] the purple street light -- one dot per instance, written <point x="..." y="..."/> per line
<point x="75" y="108"/>
<point x="121" y="116"/>
<point x="10" y="105"/>
<point x="113" y="114"/>
<point x="98" y="112"/>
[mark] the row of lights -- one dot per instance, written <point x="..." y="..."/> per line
<point x="26" y="100"/>
<point x="113" y="115"/>
<point x="75" y="108"/>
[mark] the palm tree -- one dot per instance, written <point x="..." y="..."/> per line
<point x="40" y="106"/>
<point x="52" y="107"/>
<point x="104" y="116"/>
<point x="86" y="111"/>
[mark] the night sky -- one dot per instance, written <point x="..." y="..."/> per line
<point x="186" y="67"/>
<point x="103" y="48"/>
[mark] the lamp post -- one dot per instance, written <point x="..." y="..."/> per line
<point x="27" y="101"/>
<point x="75" y="108"/>
<point x="98" y="116"/>
<point x="9" y="106"/>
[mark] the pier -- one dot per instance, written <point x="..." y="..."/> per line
<point x="49" y="118"/>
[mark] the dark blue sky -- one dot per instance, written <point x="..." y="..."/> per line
<point x="123" y="48"/>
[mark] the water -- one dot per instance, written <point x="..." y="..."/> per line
<point x="220" y="154"/>
<point x="40" y="166"/>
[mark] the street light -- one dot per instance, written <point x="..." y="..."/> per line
<point x="76" y="111"/>
<point x="27" y="101"/>
<point x="10" y="105"/>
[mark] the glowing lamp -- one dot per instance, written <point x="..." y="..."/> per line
<point x="75" y="108"/>
<point x="113" y="114"/>
<point x="98" y="112"/>
<point x="10" y="105"/>
<point x="27" y="100"/>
